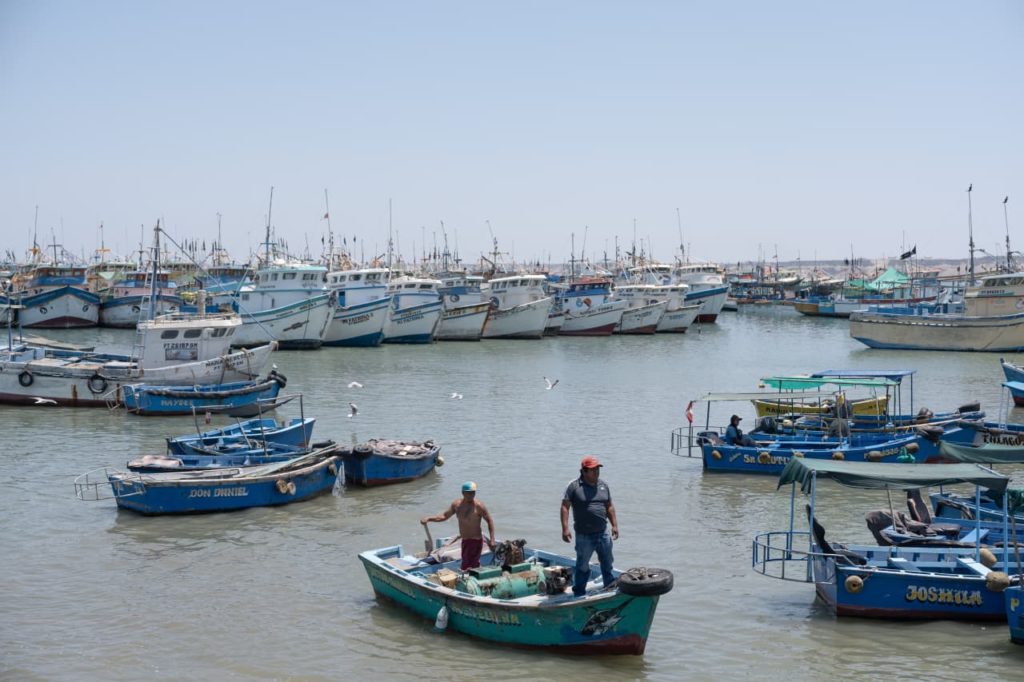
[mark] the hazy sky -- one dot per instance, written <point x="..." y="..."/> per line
<point x="812" y="128"/>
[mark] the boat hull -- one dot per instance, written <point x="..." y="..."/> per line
<point x="126" y="312"/>
<point x="297" y="432"/>
<point x="180" y="493"/>
<point x="712" y="299"/>
<point x="642" y="320"/>
<point x="464" y="323"/>
<point x="65" y="307"/>
<point x="679" y="320"/>
<point x="415" y="324"/>
<point x="360" y="325"/>
<point x="297" y="326"/>
<point x="608" y="622"/>
<point x="1015" y="613"/>
<point x="1003" y="333"/>
<point x="373" y="469"/>
<point x="524" y="321"/>
<point x="773" y="408"/>
<point x="241" y="399"/>
<point x="600" y="320"/>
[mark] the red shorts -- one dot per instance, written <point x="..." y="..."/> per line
<point x="471" y="549"/>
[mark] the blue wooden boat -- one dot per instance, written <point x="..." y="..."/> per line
<point x="297" y="431"/>
<point x="1014" y="373"/>
<point x="220" y="457"/>
<point x="216" y="490"/>
<point x="521" y="598"/>
<point x="380" y="461"/>
<point x="240" y="398"/>
<point x="963" y="583"/>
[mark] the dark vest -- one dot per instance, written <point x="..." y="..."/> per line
<point x="589" y="505"/>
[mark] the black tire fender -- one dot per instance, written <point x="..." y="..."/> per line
<point x="646" y="582"/>
<point x="97" y="383"/>
<point x="25" y="378"/>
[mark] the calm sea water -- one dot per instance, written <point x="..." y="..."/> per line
<point x="93" y="593"/>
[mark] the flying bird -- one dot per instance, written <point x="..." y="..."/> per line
<point x="456" y="396"/>
<point x="355" y="384"/>
<point x="44" y="401"/>
<point x="353" y="410"/>
<point x="549" y="384"/>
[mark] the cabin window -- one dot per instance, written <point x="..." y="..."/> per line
<point x="274" y="277"/>
<point x="245" y="297"/>
<point x="231" y="332"/>
<point x="524" y="283"/>
<point x="286" y="275"/>
<point x="193" y="333"/>
<point x="410" y="286"/>
<point x="356" y="278"/>
<point x="219" y="332"/>
<point x="425" y="286"/>
<point x="169" y="334"/>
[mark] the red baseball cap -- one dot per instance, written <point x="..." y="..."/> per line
<point x="590" y="462"/>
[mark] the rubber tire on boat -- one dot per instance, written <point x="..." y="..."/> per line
<point x="322" y="444"/>
<point x="97" y="387"/>
<point x="281" y="379"/>
<point x="646" y="582"/>
<point x="362" y="451"/>
<point x="26" y="378"/>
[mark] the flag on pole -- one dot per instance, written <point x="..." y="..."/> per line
<point x="326" y="216"/>
<point x="689" y="412"/>
<point x="907" y="254"/>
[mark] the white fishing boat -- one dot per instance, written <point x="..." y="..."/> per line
<point x="992" y="320"/>
<point x="589" y="308"/>
<point x="361" y="309"/>
<point x="174" y="349"/>
<point x="644" y="310"/>
<point x="707" y="287"/>
<point x="288" y="302"/>
<point x="519" y="307"/>
<point x="464" y="312"/>
<point x="415" y="310"/>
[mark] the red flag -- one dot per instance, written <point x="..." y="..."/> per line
<point x="689" y="412"/>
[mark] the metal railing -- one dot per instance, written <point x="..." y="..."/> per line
<point x="774" y="554"/>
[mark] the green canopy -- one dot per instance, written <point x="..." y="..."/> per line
<point x="989" y="453"/>
<point x="889" y="280"/>
<point x="805" y="383"/>
<point x="892" y="476"/>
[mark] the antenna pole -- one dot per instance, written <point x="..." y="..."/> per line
<point x="970" y="233"/>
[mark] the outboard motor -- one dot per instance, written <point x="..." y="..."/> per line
<point x="765" y="425"/>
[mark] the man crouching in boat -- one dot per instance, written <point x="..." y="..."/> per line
<point x="470" y="512"/>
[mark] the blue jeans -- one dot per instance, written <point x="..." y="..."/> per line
<point x="586" y="545"/>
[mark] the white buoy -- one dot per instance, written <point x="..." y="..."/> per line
<point x="441" y="623"/>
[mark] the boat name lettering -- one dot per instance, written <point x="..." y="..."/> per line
<point x="1004" y="438"/>
<point x="355" y="320"/>
<point x="182" y="345"/>
<point x="487" y="615"/>
<point x="936" y="595"/>
<point x="240" y="491"/>
<point x="411" y="318"/>
<point x="774" y="459"/>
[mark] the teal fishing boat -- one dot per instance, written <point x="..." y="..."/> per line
<point x="519" y="597"/>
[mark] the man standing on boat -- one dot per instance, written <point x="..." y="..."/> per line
<point x="470" y="512"/>
<point x="592" y="509"/>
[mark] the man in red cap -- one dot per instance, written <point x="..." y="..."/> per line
<point x="592" y="509"/>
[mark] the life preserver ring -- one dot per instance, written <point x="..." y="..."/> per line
<point x="97" y="383"/>
<point x="646" y="582"/>
<point x="42" y="309"/>
<point x="85" y="308"/>
<point x="26" y="378"/>
<point x="136" y="309"/>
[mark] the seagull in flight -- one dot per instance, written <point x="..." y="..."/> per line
<point x="353" y="410"/>
<point x="549" y="384"/>
<point x="44" y="401"/>
<point x="355" y="384"/>
<point x="455" y="396"/>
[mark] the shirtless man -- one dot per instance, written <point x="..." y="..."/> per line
<point x="470" y="511"/>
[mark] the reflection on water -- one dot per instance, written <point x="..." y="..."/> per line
<point x="92" y="593"/>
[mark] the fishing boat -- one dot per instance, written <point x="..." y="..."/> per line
<point x="239" y="399"/>
<point x="362" y="307"/>
<point x="288" y="303"/>
<point x="589" y="308"/>
<point x="415" y="310"/>
<point x="129" y="300"/>
<point x="221" y="456"/>
<point x="991" y="321"/>
<point x="520" y="307"/>
<point x="216" y="490"/>
<point x="962" y="583"/>
<point x="381" y="461"/>
<point x="643" y="312"/>
<point x="782" y="403"/>
<point x="54" y="296"/>
<point x="519" y="597"/>
<point x="1015" y="608"/>
<point x="297" y="431"/>
<point x="464" y="311"/>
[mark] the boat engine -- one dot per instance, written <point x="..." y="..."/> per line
<point x="522" y="580"/>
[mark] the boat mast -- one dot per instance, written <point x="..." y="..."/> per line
<point x="156" y="269"/>
<point x="970" y="234"/>
<point x="1006" y="220"/>
<point x="330" y="233"/>
<point x="682" y="249"/>
<point x="266" y="242"/>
